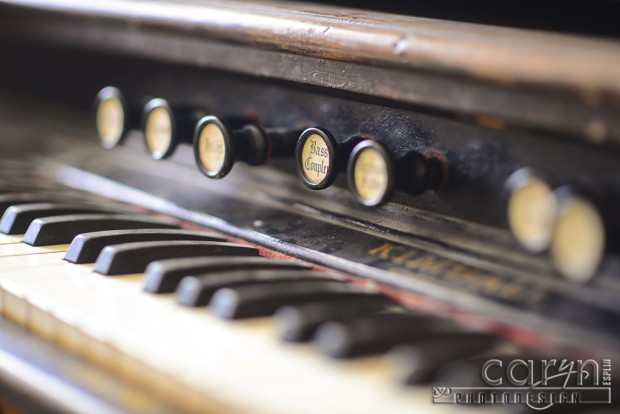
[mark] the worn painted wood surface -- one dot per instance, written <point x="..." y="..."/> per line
<point x="561" y="84"/>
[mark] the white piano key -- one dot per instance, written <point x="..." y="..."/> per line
<point x="40" y="319"/>
<point x="20" y="249"/>
<point x="14" y="305"/>
<point x="10" y="239"/>
<point x="31" y="260"/>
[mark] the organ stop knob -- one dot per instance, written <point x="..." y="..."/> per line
<point x="579" y="240"/>
<point x="165" y="126"/>
<point x="218" y="144"/>
<point x="113" y="117"/>
<point x="531" y="209"/>
<point x="373" y="173"/>
<point x="320" y="158"/>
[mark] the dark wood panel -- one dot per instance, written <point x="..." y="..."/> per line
<point x="563" y="84"/>
<point x="479" y="159"/>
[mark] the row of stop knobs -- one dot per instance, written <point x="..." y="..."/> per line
<point x="372" y="171"/>
<point x="542" y="217"/>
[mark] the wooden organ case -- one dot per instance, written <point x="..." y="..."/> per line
<point x="462" y="170"/>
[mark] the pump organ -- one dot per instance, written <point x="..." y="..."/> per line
<point x="381" y="165"/>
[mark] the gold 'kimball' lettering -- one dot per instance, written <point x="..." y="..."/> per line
<point x="456" y="274"/>
<point x="315" y="156"/>
<point x="429" y="263"/>
<point x="384" y="251"/>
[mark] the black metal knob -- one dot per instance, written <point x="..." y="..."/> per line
<point x="113" y="117"/>
<point x="320" y="158"/>
<point x="218" y="144"/>
<point x="165" y="126"/>
<point x="373" y="174"/>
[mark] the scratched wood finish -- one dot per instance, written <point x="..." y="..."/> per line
<point x="560" y="75"/>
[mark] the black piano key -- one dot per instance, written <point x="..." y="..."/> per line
<point x="11" y="188"/>
<point x="16" y="219"/>
<point x="263" y="300"/>
<point x="85" y="248"/>
<point x="33" y="185"/>
<point x="8" y="163"/>
<point x="23" y="177"/>
<point x="164" y="276"/>
<point x="299" y="323"/>
<point x="466" y="372"/>
<point x="31" y="182"/>
<point x="9" y="171"/>
<point x="14" y="198"/>
<point x="62" y="229"/>
<point x="376" y="333"/>
<point x="418" y="361"/>
<point x="610" y="405"/>
<point x="135" y="257"/>
<point x="198" y="290"/>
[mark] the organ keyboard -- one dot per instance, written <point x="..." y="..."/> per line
<point x="297" y="208"/>
<point x="190" y="358"/>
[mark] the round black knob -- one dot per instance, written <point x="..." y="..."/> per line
<point x="166" y="126"/>
<point x="320" y="158"/>
<point x="531" y="208"/>
<point x="113" y="118"/>
<point x="579" y="240"/>
<point x="417" y="173"/>
<point x="373" y="174"/>
<point x="218" y="144"/>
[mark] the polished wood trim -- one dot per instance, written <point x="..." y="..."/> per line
<point x="501" y="55"/>
<point x="498" y="77"/>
